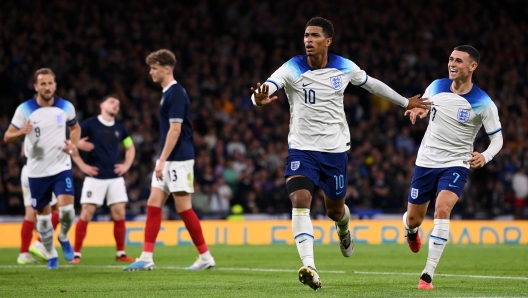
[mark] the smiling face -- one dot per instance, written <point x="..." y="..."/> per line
<point x="460" y="65"/>
<point x="315" y="42"/>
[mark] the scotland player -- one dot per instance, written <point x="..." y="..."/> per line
<point x="319" y="136"/>
<point x="446" y="152"/>
<point x="101" y="137"/>
<point x="43" y="121"/>
<point x="174" y="169"/>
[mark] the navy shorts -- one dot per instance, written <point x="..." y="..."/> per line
<point x="327" y="170"/>
<point x="427" y="182"/>
<point x="42" y="187"/>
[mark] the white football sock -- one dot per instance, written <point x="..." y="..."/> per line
<point x="45" y="230"/>
<point x="411" y="231"/>
<point x="437" y="242"/>
<point x="303" y="235"/>
<point x="342" y="224"/>
<point x="146" y="256"/>
<point x="66" y="214"/>
<point x="206" y="256"/>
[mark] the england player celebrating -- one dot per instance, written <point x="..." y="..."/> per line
<point x="446" y="152"/>
<point x="101" y="137"/>
<point x="43" y="121"/>
<point x="174" y="169"/>
<point x="319" y="136"/>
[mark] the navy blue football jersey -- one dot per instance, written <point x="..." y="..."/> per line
<point x="175" y="107"/>
<point x="106" y="140"/>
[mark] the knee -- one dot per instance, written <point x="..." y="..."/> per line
<point x="301" y="198"/>
<point x="442" y="212"/>
<point x="335" y="214"/>
<point x="86" y="214"/>
<point x="119" y="215"/>
<point x="414" y="221"/>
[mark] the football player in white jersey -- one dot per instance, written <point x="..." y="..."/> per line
<point x="43" y="121"/>
<point x="319" y="136"/>
<point x="446" y="152"/>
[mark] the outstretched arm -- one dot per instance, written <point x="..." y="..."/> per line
<point x="379" y="88"/>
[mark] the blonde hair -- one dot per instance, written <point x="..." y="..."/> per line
<point x="162" y="57"/>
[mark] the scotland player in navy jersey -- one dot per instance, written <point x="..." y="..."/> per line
<point x="446" y="152"/>
<point x="319" y="136"/>
<point x="101" y="137"/>
<point x="43" y="121"/>
<point x="174" y="173"/>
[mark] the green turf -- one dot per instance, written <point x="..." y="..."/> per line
<point x="394" y="272"/>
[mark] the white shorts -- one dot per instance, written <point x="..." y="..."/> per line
<point x="177" y="176"/>
<point x="95" y="191"/>
<point x="26" y="193"/>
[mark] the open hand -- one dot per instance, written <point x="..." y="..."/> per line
<point x="84" y="145"/>
<point x="120" y="169"/>
<point x="158" y="171"/>
<point x="261" y="95"/>
<point x="416" y="102"/>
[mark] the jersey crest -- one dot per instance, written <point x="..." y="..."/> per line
<point x="414" y="193"/>
<point x="295" y="165"/>
<point x="59" y="118"/>
<point x="336" y="82"/>
<point x="463" y="115"/>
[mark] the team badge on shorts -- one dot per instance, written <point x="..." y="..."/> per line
<point x="414" y="193"/>
<point x="336" y="82"/>
<point x="89" y="194"/>
<point x="295" y="165"/>
<point x="463" y="115"/>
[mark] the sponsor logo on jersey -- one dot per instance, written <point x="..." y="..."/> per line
<point x="336" y="82"/>
<point x="295" y="165"/>
<point x="414" y="193"/>
<point x="463" y="115"/>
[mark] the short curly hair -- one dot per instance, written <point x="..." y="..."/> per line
<point x="328" y="27"/>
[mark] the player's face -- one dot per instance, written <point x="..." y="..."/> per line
<point x="45" y="86"/>
<point x="460" y="65"/>
<point x="315" y="41"/>
<point x="111" y="106"/>
<point x="158" y="72"/>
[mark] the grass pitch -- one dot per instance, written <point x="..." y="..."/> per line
<point x="271" y="271"/>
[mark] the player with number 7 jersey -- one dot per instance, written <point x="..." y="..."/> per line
<point x="319" y="136"/>
<point x="446" y="153"/>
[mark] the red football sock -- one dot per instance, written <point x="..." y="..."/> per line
<point x="26" y="234"/>
<point x="152" y="227"/>
<point x="192" y="223"/>
<point x="54" y="222"/>
<point x="119" y="234"/>
<point x="80" y="233"/>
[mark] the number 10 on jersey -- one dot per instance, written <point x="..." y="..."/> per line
<point x="309" y="96"/>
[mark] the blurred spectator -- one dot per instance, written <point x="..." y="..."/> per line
<point x="520" y="188"/>
<point x="224" y="47"/>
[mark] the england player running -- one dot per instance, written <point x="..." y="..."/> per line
<point x="174" y="169"/>
<point x="446" y="152"/>
<point x="43" y="121"/>
<point x="32" y="254"/>
<point x="101" y="137"/>
<point x="319" y="136"/>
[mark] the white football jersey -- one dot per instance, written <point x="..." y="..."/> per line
<point x="43" y="146"/>
<point x="454" y="121"/>
<point x="317" y="116"/>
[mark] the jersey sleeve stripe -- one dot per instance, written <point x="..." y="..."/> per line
<point x="15" y="126"/>
<point x="275" y="83"/>
<point x="494" y="132"/>
<point x="178" y="120"/>
<point x="366" y="79"/>
<point x="72" y="122"/>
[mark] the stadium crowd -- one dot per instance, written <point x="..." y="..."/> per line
<point x="225" y="47"/>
